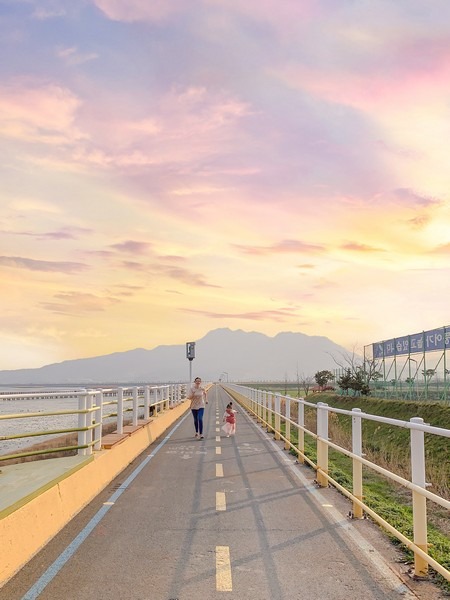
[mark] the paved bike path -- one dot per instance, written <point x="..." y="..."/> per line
<point x="213" y="518"/>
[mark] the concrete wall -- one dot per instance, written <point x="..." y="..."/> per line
<point x="26" y="530"/>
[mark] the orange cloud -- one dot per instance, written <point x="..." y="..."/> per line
<point x="442" y="249"/>
<point x="78" y="303"/>
<point x="357" y="247"/>
<point x="283" y="247"/>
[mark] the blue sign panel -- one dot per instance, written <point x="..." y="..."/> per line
<point x="435" y="339"/>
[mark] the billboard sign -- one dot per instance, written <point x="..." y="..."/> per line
<point x="426" y="341"/>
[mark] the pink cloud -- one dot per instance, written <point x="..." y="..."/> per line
<point x="66" y="233"/>
<point x="182" y="126"/>
<point x="401" y="74"/>
<point x="38" y="112"/>
<point x="132" y="265"/>
<point x="139" y="10"/>
<point x="132" y="247"/>
<point x="412" y="198"/>
<point x="272" y="12"/>
<point x="283" y="314"/>
<point x="31" y="264"/>
<point x="184" y="276"/>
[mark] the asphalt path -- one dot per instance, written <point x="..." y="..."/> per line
<point x="198" y="519"/>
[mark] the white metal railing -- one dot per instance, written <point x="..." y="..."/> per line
<point x="266" y="407"/>
<point x="95" y="407"/>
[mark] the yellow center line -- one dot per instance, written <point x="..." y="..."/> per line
<point x="218" y="450"/>
<point x="221" y="501"/>
<point x="219" y="470"/>
<point x="223" y="569"/>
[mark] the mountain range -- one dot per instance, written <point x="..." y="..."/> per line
<point x="221" y="353"/>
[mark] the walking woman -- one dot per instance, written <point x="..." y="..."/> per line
<point x="197" y="396"/>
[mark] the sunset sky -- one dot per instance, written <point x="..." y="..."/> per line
<point x="169" y="167"/>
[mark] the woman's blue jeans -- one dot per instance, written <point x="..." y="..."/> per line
<point x="198" y="419"/>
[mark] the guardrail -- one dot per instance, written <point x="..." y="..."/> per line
<point x="95" y="406"/>
<point x="266" y="407"/>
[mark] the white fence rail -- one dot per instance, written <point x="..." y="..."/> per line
<point x="94" y="408"/>
<point x="266" y="407"/>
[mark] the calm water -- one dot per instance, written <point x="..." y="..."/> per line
<point x="44" y="423"/>
<point x="33" y="424"/>
<point x="38" y="423"/>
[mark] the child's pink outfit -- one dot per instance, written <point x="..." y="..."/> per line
<point x="229" y="417"/>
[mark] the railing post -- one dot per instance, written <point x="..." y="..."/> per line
<point x="156" y="400"/>
<point x="135" y="406"/>
<point x="120" y="410"/>
<point x="264" y="404"/>
<point x="277" y="416"/>
<point x="146" y="402"/>
<point x="167" y="403"/>
<point x="419" y="502"/>
<point x="98" y="431"/>
<point x="82" y="422"/>
<point x="269" y="411"/>
<point x="322" y="446"/>
<point x="258" y="407"/>
<point x="287" y="445"/>
<point x="90" y="420"/>
<point x="301" y="433"/>
<point x="357" y="465"/>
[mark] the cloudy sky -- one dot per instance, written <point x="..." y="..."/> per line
<point x="169" y="167"/>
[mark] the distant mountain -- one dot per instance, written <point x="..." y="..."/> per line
<point x="236" y="355"/>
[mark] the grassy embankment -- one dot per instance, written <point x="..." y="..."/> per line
<point x="389" y="446"/>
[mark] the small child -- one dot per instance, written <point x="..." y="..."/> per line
<point x="229" y="417"/>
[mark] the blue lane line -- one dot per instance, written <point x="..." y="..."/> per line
<point x="36" y="590"/>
